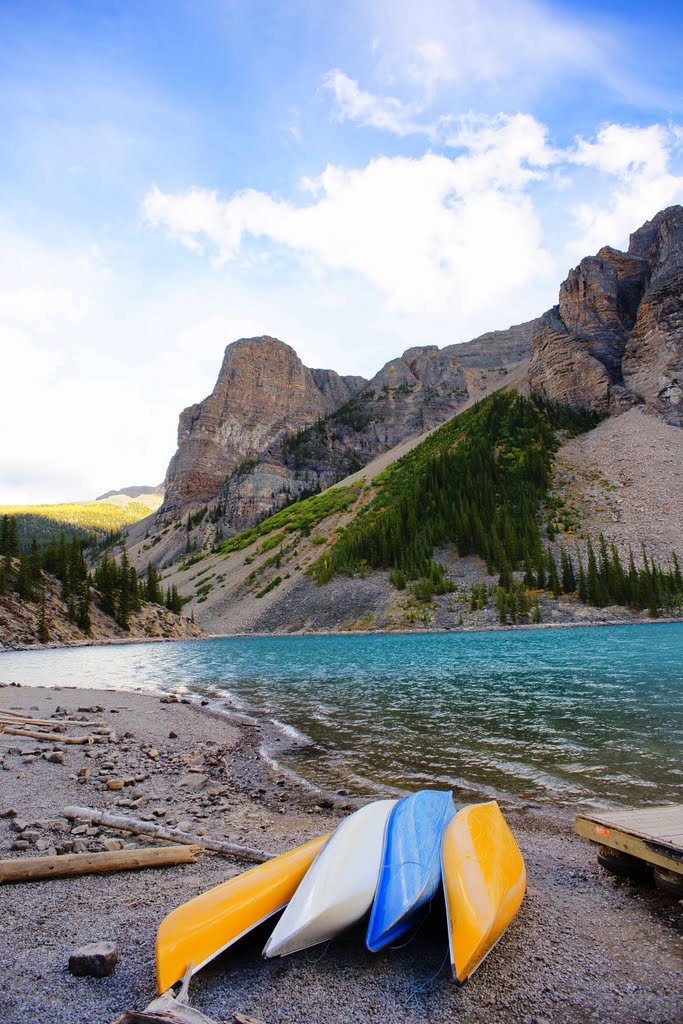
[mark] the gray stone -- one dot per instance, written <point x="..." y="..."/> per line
<point x="96" y="960"/>
<point x="113" y="844"/>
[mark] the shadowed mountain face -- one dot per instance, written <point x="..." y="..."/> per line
<point x="616" y="337"/>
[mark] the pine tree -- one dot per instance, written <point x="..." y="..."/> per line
<point x="596" y="591"/>
<point x="25" y="579"/>
<point x="83" y="619"/>
<point x="43" y="631"/>
<point x="153" y="590"/>
<point x="501" y="605"/>
<point x="553" y="577"/>
<point x="567" y="568"/>
<point x="35" y="561"/>
<point x="124" y="602"/>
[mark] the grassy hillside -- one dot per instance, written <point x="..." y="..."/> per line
<point x="477" y="482"/>
<point x="482" y="483"/>
<point x="74" y="518"/>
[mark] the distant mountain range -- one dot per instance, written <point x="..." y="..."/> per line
<point x="132" y="492"/>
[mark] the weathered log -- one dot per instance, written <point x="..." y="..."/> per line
<point x="23" y="721"/>
<point x="167" y="1009"/>
<point x="35" y="869"/>
<point x="56" y="737"/>
<point x="123" y="823"/>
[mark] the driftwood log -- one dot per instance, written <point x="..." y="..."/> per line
<point x="23" y="721"/>
<point x="34" y="869"/>
<point x="123" y="823"/>
<point x="33" y="734"/>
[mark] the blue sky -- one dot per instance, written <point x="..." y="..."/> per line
<point x="175" y="175"/>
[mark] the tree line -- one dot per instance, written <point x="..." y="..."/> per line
<point x="479" y="482"/>
<point x="114" y="584"/>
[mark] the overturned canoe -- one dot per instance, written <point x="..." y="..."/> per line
<point x="339" y="887"/>
<point x="205" y="926"/>
<point x="411" y="865"/>
<point x="484" y="881"/>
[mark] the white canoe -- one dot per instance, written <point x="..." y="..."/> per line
<point x="339" y="887"/>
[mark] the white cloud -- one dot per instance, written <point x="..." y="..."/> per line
<point x="431" y="233"/>
<point x="637" y="162"/>
<point x="385" y="113"/>
<point x="494" y="46"/>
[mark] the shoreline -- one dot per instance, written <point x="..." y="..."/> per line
<point x="555" y="963"/>
<point x="7" y="647"/>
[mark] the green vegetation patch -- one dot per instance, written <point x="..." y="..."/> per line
<point x="302" y="515"/>
<point x="74" y="518"/>
<point x="477" y="482"/>
<point x="270" y="586"/>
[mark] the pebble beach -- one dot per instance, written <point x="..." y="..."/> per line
<point x="585" y="947"/>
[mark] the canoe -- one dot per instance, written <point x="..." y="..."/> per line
<point x="484" y="881"/>
<point x="339" y="888"/>
<point x="205" y="926"/>
<point x="411" y="865"/>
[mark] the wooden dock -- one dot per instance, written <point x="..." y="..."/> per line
<point x="639" y="835"/>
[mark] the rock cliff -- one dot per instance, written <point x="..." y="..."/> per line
<point x="616" y="337"/>
<point x="273" y="430"/>
<point x="263" y="393"/>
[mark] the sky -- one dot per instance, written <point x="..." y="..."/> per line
<point x="353" y="178"/>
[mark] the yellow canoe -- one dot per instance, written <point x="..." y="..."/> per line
<point x="484" y="882"/>
<point x="205" y="926"/>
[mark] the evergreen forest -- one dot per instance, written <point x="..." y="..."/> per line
<point x="481" y="483"/>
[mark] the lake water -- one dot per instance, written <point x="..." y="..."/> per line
<point x="556" y="714"/>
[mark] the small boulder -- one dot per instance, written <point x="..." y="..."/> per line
<point x="96" y="960"/>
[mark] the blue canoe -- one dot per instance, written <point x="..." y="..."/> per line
<point x="411" y="865"/>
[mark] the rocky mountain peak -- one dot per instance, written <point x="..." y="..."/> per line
<point x="263" y="392"/>
<point x="616" y="337"/>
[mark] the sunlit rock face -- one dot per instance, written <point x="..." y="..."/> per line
<point x="616" y="337"/>
<point x="263" y="392"/>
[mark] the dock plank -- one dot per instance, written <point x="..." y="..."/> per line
<point x="654" y="834"/>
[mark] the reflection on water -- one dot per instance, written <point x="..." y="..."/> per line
<point x="546" y="714"/>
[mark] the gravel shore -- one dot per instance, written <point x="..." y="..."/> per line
<point x="585" y="947"/>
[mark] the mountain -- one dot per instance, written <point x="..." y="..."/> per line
<point x="616" y="337"/>
<point x="273" y="430"/>
<point x="243" y="526"/>
<point x="133" y="492"/>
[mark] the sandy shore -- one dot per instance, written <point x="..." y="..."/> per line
<point x="585" y="946"/>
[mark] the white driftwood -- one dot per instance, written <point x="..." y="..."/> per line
<point x="34" y="869"/>
<point x="25" y="721"/>
<point x="34" y="734"/>
<point x="124" y="823"/>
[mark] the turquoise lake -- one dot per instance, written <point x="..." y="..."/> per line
<point x="542" y="715"/>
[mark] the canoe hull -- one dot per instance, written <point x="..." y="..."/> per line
<point x="339" y="888"/>
<point x="201" y="929"/>
<point x="484" y="883"/>
<point x="411" y="865"/>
